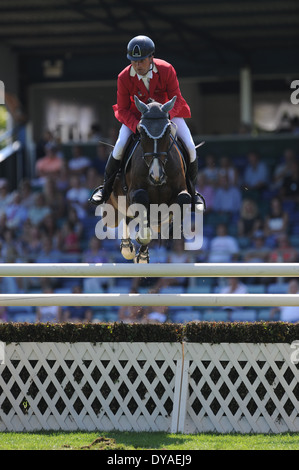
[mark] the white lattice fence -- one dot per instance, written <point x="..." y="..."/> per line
<point x="123" y="386"/>
<point x="149" y="386"/>
<point x="239" y="388"/>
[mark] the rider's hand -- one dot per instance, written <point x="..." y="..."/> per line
<point x="138" y="126"/>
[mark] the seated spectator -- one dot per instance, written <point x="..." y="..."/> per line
<point x="62" y="179"/>
<point x="284" y="252"/>
<point x="26" y="193"/>
<point x="51" y="314"/>
<point x="249" y="218"/>
<point x="176" y="255"/>
<point x="48" y="254"/>
<point x="38" y="211"/>
<point x="99" y="163"/>
<point x="158" y="252"/>
<point x="50" y="164"/>
<point x="210" y="170"/>
<point x="289" y="313"/>
<point x="94" y="253"/>
<point x="256" y="175"/>
<point x="196" y="242"/>
<point x="234" y="286"/>
<point x="223" y="247"/>
<point x="227" y="198"/>
<point x="76" y="223"/>
<point x="15" y="213"/>
<point x="79" y="163"/>
<point x="78" y="313"/>
<point x="284" y="169"/>
<point x="32" y="243"/>
<point x="258" y="252"/>
<point x="8" y="285"/>
<point x="276" y="222"/>
<point x="49" y="228"/>
<point x="226" y="168"/>
<point x="55" y="197"/>
<point x="93" y="179"/>
<point x="11" y="249"/>
<point x="77" y="196"/>
<point x="70" y="241"/>
<point x="206" y="189"/>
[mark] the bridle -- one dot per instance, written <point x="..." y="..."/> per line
<point x="159" y="155"/>
<point x="151" y="116"/>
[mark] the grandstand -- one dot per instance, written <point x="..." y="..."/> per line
<point x="249" y="175"/>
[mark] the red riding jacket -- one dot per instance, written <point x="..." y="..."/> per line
<point x="163" y="86"/>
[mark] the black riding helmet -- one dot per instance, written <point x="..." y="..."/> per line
<point x="140" y="47"/>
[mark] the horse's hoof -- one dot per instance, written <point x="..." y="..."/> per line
<point x="144" y="237"/>
<point x="142" y="257"/>
<point x="127" y="249"/>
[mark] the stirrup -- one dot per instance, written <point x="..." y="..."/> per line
<point x="199" y="200"/>
<point x="97" y="199"/>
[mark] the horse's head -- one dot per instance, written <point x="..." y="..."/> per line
<point x="155" y="132"/>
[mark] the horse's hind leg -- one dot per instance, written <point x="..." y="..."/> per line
<point x="184" y="200"/>
<point x="140" y="202"/>
<point x="142" y="255"/>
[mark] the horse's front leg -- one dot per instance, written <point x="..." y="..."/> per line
<point x="140" y="205"/>
<point x="127" y="247"/>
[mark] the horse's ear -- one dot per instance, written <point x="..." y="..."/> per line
<point x="166" y="107"/>
<point x="142" y="107"/>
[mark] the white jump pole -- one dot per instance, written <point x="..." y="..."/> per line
<point x="153" y="300"/>
<point x="84" y="270"/>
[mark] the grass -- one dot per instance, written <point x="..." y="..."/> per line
<point x="146" y="441"/>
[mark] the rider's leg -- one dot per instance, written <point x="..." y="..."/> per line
<point x="184" y="133"/>
<point x="102" y="193"/>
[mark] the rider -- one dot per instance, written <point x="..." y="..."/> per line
<point x="146" y="78"/>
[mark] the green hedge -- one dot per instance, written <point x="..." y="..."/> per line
<point x="195" y="332"/>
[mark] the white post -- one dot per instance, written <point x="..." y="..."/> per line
<point x="245" y="96"/>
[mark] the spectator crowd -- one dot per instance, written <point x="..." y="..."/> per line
<point x="252" y="215"/>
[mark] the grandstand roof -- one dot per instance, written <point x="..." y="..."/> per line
<point x="205" y="37"/>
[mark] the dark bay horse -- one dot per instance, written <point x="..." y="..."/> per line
<point x="155" y="176"/>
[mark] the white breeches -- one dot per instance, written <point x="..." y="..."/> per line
<point x="182" y="131"/>
<point x="124" y="134"/>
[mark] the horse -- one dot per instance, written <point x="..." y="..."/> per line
<point x="155" y="174"/>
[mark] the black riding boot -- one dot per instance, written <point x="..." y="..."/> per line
<point x="192" y="173"/>
<point x="102" y="193"/>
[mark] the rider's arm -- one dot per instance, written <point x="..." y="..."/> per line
<point x="180" y="108"/>
<point x="125" y="106"/>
